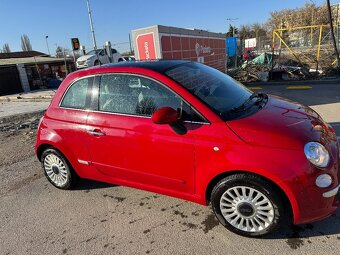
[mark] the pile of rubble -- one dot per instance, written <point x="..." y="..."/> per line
<point x="14" y="124"/>
<point x="286" y="67"/>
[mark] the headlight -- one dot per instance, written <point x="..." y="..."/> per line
<point x="317" y="154"/>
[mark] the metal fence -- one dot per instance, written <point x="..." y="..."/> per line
<point x="310" y="46"/>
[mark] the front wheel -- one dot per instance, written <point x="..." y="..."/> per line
<point x="247" y="205"/>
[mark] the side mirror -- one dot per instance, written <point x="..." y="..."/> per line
<point x="165" y="115"/>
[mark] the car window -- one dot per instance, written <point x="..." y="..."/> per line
<point x="216" y="89"/>
<point x="135" y="95"/>
<point x="75" y="96"/>
<point x="114" y="51"/>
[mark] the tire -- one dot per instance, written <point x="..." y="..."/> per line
<point x="233" y="202"/>
<point x="57" y="169"/>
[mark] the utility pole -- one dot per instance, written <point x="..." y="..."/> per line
<point x="231" y="20"/>
<point x="48" y="48"/>
<point x="130" y="43"/>
<point x="333" y="35"/>
<point x="91" y="24"/>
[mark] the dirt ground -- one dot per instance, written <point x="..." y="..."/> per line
<point x="17" y="139"/>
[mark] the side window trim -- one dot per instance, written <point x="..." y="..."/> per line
<point x="95" y="97"/>
<point x="88" y="94"/>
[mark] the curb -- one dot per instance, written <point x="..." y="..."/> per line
<point x="26" y="115"/>
<point x="293" y="83"/>
<point x="7" y="100"/>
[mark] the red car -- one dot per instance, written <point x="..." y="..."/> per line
<point x="186" y="130"/>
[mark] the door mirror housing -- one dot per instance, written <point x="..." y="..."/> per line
<point x="165" y="115"/>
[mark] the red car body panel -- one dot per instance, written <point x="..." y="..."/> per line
<point x="138" y="153"/>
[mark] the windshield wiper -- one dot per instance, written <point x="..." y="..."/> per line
<point x="249" y="102"/>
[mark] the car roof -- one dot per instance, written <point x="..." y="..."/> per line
<point x="159" y="66"/>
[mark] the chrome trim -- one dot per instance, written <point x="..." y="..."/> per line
<point x="84" y="162"/>
<point x="95" y="133"/>
<point x="141" y="116"/>
<point x="75" y="109"/>
<point x="332" y="192"/>
<point x="122" y="114"/>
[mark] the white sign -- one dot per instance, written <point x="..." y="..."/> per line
<point x="201" y="49"/>
<point x="250" y="43"/>
<point x="200" y="60"/>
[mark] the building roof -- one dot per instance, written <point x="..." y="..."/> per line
<point x="31" y="60"/>
<point x="181" y="31"/>
<point x="22" y="54"/>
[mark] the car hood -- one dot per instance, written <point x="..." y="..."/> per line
<point x="85" y="57"/>
<point x="283" y="124"/>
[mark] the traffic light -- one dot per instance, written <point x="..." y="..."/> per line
<point x="75" y="43"/>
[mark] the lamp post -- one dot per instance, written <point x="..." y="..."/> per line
<point x="91" y="24"/>
<point x="48" y="48"/>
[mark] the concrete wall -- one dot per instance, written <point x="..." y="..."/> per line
<point x="23" y="77"/>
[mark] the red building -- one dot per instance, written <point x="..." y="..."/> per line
<point x="161" y="42"/>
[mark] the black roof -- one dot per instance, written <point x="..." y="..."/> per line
<point x="22" y="54"/>
<point x="156" y="65"/>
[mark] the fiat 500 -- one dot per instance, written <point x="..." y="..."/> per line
<point x="186" y="130"/>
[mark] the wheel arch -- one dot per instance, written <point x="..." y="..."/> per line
<point x="284" y="192"/>
<point x="42" y="147"/>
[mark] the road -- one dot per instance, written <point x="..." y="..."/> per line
<point x="97" y="218"/>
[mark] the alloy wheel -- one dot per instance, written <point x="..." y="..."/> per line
<point x="56" y="170"/>
<point x="247" y="209"/>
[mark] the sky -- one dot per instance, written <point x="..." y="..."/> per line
<point x="113" y="20"/>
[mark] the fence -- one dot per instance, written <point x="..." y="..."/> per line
<point x="310" y="46"/>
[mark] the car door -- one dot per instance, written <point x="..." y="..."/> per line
<point x="68" y="120"/>
<point x="127" y="146"/>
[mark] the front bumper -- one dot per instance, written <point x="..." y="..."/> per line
<point x="334" y="192"/>
<point x="81" y="66"/>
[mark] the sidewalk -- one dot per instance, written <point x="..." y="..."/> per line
<point x="32" y="96"/>
<point x="25" y="103"/>
<point x="17" y="108"/>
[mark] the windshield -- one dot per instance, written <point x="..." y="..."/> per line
<point x="93" y="52"/>
<point x="216" y="89"/>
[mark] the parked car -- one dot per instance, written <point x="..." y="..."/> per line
<point x="129" y="58"/>
<point x="186" y="130"/>
<point x="96" y="57"/>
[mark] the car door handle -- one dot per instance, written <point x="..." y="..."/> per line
<point x="96" y="132"/>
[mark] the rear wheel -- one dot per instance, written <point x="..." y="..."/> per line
<point x="247" y="205"/>
<point x="57" y="169"/>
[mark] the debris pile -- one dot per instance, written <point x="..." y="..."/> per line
<point x="286" y="67"/>
<point x="12" y="125"/>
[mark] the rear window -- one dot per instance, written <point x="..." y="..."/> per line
<point x="75" y="96"/>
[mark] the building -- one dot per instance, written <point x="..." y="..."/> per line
<point x="162" y="42"/>
<point x="30" y="70"/>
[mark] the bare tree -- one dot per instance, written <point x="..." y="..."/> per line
<point x="6" y="48"/>
<point x="25" y="43"/>
<point x="332" y="32"/>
